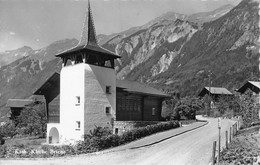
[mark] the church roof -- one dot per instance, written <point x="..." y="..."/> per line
<point x="51" y="88"/>
<point x="136" y="87"/>
<point x="88" y="39"/>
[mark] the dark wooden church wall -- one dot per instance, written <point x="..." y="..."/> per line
<point x="149" y="104"/>
<point x="54" y="110"/>
<point x="128" y="107"/>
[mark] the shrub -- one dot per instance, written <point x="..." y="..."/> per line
<point x="8" y="130"/>
<point x="186" y="108"/>
<point x="2" y="140"/>
<point x="99" y="132"/>
<point x="111" y="141"/>
<point x="2" y="151"/>
<point x="33" y="120"/>
<point x="148" y="130"/>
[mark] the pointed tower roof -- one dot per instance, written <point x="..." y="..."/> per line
<point x="88" y="39"/>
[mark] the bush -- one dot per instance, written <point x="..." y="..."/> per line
<point x="186" y="108"/>
<point x="2" y="151"/>
<point x="33" y="120"/>
<point x="8" y="130"/>
<point x="2" y="140"/>
<point x="148" y="130"/>
<point x="99" y="132"/>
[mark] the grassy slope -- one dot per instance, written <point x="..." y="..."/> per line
<point x="244" y="148"/>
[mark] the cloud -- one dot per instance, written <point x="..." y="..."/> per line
<point x="12" y="33"/>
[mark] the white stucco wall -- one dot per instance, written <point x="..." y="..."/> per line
<point x="89" y="83"/>
<point x="71" y="85"/>
<point x="96" y="99"/>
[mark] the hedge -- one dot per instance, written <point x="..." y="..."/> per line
<point x="89" y="145"/>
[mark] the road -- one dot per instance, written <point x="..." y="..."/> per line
<point x="190" y="148"/>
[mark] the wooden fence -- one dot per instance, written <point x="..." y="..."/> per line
<point x="229" y="135"/>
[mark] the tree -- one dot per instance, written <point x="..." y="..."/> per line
<point x="249" y="108"/>
<point x="33" y="119"/>
<point x="8" y="129"/>
<point x="228" y="105"/>
<point x="206" y="104"/>
<point x="168" y="107"/>
<point x="186" y="108"/>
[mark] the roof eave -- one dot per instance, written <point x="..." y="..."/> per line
<point x="147" y="94"/>
<point x="67" y="53"/>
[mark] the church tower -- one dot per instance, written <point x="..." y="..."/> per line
<point x="87" y="86"/>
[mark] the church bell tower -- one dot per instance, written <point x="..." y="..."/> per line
<point x="87" y="86"/>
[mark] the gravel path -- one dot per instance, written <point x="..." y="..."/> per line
<point x="190" y="148"/>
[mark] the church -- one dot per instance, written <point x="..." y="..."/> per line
<point x="86" y="93"/>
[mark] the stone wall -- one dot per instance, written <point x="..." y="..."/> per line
<point x="122" y="126"/>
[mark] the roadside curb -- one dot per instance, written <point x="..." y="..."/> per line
<point x="153" y="143"/>
<point x="206" y="122"/>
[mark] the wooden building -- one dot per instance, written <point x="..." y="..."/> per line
<point x="134" y="101"/>
<point x="253" y="87"/>
<point x="16" y="106"/>
<point x="215" y="92"/>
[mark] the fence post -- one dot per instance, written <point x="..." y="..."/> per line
<point x="230" y="134"/>
<point x="234" y="133"/>
<point x="226" y="139"/>
<point x="235" y="128"/>
<point x="214" y="153"/>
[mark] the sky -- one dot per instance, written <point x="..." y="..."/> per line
<point x="38" y="23"/>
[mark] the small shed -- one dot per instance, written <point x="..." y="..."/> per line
<point x="16" y="105"/>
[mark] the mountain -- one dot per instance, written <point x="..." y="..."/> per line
<point x="198" y="18"/>
<point x="149" y="44"/>
<point x="170" y="53"/>
<point x="209" y="16"/>
<point x="177" y="56"/>
<point x="9" y="56"/>
<point x="22" y="77"/>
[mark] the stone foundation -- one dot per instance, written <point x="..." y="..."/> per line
<point x="122" y="126"/>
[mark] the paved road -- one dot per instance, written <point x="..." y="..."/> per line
<point x="190" y="148"/>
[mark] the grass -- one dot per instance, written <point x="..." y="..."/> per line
<point x="32" y="141"/>
<point x="244" y="149"/>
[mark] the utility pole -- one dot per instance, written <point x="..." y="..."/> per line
<point x="209" y="92"/>
<point x="219" y="137"/>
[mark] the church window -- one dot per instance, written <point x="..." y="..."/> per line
<point x="77" y="100"/>
<point x="153" y="111"/>
<point x="108" y="110"/>
<point x="116" y="131"/>
<point x="77" y="125"/>
<point x="108" y="89"/>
